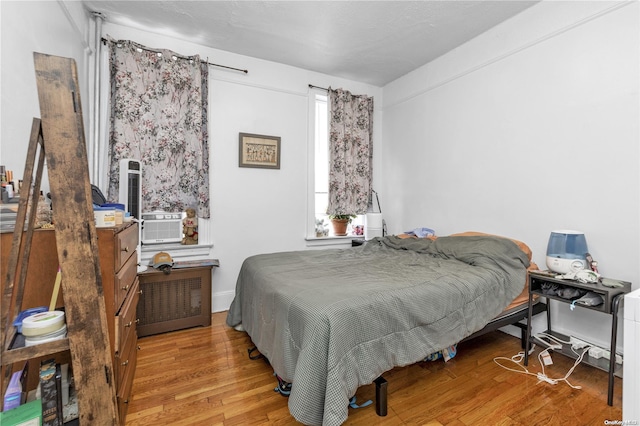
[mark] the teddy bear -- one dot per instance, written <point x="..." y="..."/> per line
<point x="190" y="227"/>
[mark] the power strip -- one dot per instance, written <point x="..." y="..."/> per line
<point x="595" y="352"/>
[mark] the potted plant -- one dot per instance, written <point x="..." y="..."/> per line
<point x="340" y="222"/>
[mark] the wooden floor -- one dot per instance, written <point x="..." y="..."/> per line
<point x="203" y="376"/>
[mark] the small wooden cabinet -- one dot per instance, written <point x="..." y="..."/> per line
<point x="180" y="299"/>
<point x="119" y="269"/>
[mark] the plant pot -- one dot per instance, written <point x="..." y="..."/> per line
<point x="340" y="226"/>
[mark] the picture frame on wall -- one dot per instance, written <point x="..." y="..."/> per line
<point x="259" y="151"/>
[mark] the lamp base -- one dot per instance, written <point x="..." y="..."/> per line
<point x="565" y="266"/>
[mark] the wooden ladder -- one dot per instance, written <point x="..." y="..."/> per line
<point x="59" y="137"/>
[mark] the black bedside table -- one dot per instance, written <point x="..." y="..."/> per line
<point x="611" y="296"/>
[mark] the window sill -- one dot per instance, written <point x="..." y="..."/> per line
<point x="332" y="240"/>
<point x="176" y="250"/>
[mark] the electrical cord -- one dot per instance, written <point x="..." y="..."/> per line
<point x="542" y="376"/>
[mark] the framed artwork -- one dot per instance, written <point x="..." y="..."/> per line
<point x="259" y="151"/>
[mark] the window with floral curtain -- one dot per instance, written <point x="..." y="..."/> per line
<point x="159" y="116"/>
<point x="350" y="152"/>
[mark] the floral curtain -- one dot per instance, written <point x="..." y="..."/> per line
<point x="350" y="152"/>
<point x="159" y="116"/>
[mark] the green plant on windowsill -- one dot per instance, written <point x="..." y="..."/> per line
<point x="340" y="222"/>
<point x="347" y="217"/>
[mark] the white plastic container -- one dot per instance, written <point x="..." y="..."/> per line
<point x="372" y="226"/>
<point x="42" y="323"/>
<point x="105" y="217"/>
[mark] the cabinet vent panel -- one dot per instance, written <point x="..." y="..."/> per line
<point x="170" y="300"/>
<point x="179" y="300"/>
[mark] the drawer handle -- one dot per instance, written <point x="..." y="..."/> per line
<point x="126" y="249"/>
<point x="140" y="291"/>
<point x="126" y="401"/>
<point x="126" y="362"/>
<point x="128" y="324"/>
<point x="125" y="288"/>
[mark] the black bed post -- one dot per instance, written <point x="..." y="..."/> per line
<point x="381" y="396"/>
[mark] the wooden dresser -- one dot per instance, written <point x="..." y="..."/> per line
<point x="119" y="269"/>
<point x="118" y="266"/>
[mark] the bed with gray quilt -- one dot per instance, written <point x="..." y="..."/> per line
<point x="332" y="320"/>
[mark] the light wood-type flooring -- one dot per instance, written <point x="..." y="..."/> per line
<point x="203" y="376"/>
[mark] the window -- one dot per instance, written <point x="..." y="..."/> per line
<point x="321" y="158"/>
<point x="319" y="172"/>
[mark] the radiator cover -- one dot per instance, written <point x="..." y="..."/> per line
<point x="181" y="299"/>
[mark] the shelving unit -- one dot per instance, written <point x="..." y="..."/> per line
<point x="612" y="298"/>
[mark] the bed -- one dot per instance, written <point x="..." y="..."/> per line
<point x="329" y="321"/>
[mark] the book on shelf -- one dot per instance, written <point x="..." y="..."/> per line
<point x="15" y="394"/>
<point x="51" y="393"/>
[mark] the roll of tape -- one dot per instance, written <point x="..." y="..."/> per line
<point x="42" y="323"/>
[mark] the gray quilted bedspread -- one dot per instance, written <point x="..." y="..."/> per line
<point x="332" y="320"/>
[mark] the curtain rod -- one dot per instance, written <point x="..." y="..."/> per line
<point x="224" y="66"/>
<point x="148" y="49"/>
<point x="311" y="86"/>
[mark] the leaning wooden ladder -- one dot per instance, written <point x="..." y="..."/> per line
<point x="59" y="137"/>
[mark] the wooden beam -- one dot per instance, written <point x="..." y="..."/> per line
<point x="76" y="237"/>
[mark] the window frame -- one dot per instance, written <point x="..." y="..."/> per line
<point x="311" y="237"/>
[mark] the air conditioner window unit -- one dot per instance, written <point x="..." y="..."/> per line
<point x="161" y="227"/>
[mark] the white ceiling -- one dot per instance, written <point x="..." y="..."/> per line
<point x="369" y="41"/>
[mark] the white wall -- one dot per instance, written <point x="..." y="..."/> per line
<point x="54" y="28"/>
<point x="530" y="127"/>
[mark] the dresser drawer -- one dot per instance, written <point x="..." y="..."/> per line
<point x="124" y="385"/>
<point x="126" y="320"/>
<point x="123" y="281"/>
<point x="125" y="245"/>
<point x="126" y="359"/>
